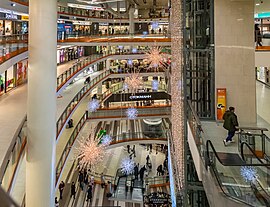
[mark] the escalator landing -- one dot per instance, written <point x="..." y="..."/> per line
<point x="230" y="159"/>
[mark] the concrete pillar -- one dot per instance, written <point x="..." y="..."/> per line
<point x="131" y="20"/>
<point x="235" y="56"/>
<point x="41" y="108"/>
<point x="99" y="89"/>
<point x="108" y="63"/>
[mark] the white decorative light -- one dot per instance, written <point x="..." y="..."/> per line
<point x="90" y="153"/>
<point x="93" y="105"/>
<point x="155" y="58"/>
<point x="129" y="62"/>
<point x="249" y="173"/>
<point x="132" y="113"/>
<point x="177" y="109"/>
<point x="125" y="86"/>
<point x="133" y="81"/>
<point x="155" y="85"/>
<point x="127" y="166"/>
<point x="106" y="140"/>
<point x="154" y="25"/>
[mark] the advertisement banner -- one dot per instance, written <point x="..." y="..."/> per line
<point x="221" y="103"/>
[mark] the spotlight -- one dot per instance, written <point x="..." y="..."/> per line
<point x="13" y="4"/>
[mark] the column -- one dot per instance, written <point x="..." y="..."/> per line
<point x="235" y="56"/>
<point x="108" y="61"/>
<point x="41" y="111"/>
<point x="131" y="20"/>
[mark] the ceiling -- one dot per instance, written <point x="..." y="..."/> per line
<point x="262" y="6"/>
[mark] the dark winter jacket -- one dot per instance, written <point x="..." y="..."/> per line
<point x="230" y="121"/>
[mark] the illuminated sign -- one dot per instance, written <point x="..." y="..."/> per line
<point x="25" y="18"/>
<point x="262" y="15"/>
<point x="11" y="16"/>
<point x="140" y="97"/>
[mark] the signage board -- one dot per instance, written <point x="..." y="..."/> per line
<point x="221" y="103"/>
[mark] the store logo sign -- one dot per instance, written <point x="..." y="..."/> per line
<point x="11" y="16"/>
<point x="140" y="97"/>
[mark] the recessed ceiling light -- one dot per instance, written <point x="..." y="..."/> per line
<point x="257" y="4"/>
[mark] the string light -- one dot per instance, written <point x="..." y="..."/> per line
<point x="127" y="166"/>
<point x="93" y="105"/>
<point x="177" y="94"/>
<point x="132" y="113"/>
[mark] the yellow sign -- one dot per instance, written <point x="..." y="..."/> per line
<point x="221" y="102"/>
<point x="25" y="18"/>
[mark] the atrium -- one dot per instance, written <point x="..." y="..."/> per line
<point x="134" y="103"/>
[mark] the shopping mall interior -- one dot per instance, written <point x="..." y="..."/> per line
<point x="134" y="103"/>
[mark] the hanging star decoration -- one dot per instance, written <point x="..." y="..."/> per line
<point x="127" y="166"/>
<point x="132" y="113"/>
<point x="106" y="140"/>
<point x="156" y="58"/>
<point x="133" y="82"/>
<point x="249" y="173"/>
<point x="93" y="105"/>
<point x="90" y="153"/>
<point x="155" y="85"/>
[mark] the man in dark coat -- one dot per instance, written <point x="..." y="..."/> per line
<point x="73" y="190"/>
<point x="230" y="123"/>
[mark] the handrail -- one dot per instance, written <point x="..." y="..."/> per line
<point x="208" y="142"/>
<point x="13" y="151"/>
<point x="254" y="154"/>
<point x="194" y="113"/>
<point x="262" y="129"/>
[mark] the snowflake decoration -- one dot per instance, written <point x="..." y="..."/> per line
<point x="90" y="153"/>
<point x="106" y="140"/>
<point x="125" y="86"/>
<point x="93" y="105"/>
<point x="249" y="173"/>
<point x="127" y="166"/>
<point x="155" y="25"/>
<point x="155" y="58"/>
<point x="155" y="85"/>
<point x="130" y="62"/>
<point x="132" y="113"/>
<point x="133" y="81"/>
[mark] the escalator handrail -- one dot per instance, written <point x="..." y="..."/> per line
<point x="208" y="142"/>
<point x="252" y="151"/>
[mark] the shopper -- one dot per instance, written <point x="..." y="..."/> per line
<point x="159" y="170"/>
<point x="81" y="179"/>
<point x="136" y="171"/>
<point x="128" y="149"/>
<point x="61" y="189"/>
<point x="102" y="178"/>
<point x="147" y="159"/>
<point x="73" y="190"/>
<point x="56" y="202"/>
<point x="89" y="193"/>
<point x="230" y="124"/>
<point x="258" y="37"/>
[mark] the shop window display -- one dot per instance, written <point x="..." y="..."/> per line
<point x="22" y="68"/>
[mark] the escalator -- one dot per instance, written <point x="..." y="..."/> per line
<point x="245" y="182"/>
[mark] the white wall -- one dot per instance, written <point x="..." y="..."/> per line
<point x="235" y="55"/>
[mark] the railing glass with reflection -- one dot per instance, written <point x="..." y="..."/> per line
<point x="13" y="157"/>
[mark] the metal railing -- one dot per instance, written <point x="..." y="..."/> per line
<point x="76" y="100"/>
<point x="13" y="157"/>
<point x="69" y="145"/>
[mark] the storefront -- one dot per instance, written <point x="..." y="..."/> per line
<point x="7" y="80"/>
<point x="12" y="23"/>
<point x="22" y="68"/>
<point x="68" y="53"/>
<point x="262" y="74"/>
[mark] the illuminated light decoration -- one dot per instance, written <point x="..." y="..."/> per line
<point x="154" y="25"/>
<point x="127" y="166"/>
<point x="133" y="81"/>
<point x="90" y="153"/>
<point x="134" y="50"/>
<point x="249" y="173"/>
<point x="155" y="85"/>
<point x="132" y="113"/>
<point x="120" y="47"/>
<point x="155" y="58"/>
<point x="125" y="86"/>
<point x="93" y="105"/>
<point x="129" y="62"/>
<point x="106" y="140"/>
<point x="178" y="141"/>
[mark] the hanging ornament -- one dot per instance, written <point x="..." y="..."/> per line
<point x="127" y="166"/>
<point x="155" y="58"/>
<point x="155" y="85"/>
<point x="132" y="113"/>
<point x="249" y="173"/>
<point x="93" y="105"/>
<point x="106" y="140"/>
<point x="133" y="82"/>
